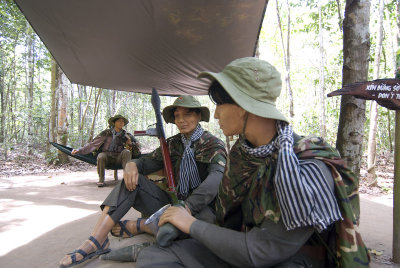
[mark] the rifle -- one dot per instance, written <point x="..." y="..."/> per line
<point x="167" y="233"/>
<point x="155" y="101"/>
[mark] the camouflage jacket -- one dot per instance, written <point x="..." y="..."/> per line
<point x="102" y="142"/>
<point x="248" y="184"/>
<point x="208" y="149"/>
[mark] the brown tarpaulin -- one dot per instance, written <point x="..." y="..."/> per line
<point x="134" y="45"/>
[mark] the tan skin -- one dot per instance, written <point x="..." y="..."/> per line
<point x="118" y="125"/>
<point x="259" y="131"/>
<point x="186" y="120"/>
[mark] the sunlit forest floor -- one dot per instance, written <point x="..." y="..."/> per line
<point x="19" y="163"/>
<point x="384" y="172"/>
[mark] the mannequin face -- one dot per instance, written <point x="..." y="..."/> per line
<point x="231" y="118"/>
<point x="186" y="120"/>
<point x="119" y="124"/>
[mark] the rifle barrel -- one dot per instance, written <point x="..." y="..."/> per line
<point x="155" y="101"/>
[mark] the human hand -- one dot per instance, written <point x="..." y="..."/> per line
<point x="131" y="176"/>
<point x="188" y="209"/>
<point x="74" y="151"/>
<point x="179" y="217"/>
<point x="128" y="140"/>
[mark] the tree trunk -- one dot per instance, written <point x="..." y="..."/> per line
<point x="339" y="14"/>
<point x="96" y="110"/>
<point x="322" y="117"/>
<point x="396" y="184"/>
<point x="389" y="131"/>
<point x="85" y="112"/>
<point x="71" y="107"/>
<point x="396" y="189"/>
<point x="29" y="83"/>
<point x="143" y="115"/>
<point x="373" y="119"/>
<point x="11" y="96"/>
<point x="53" y="110"/>
<point x="80" y="114"/>
<point x="62" y="128"/>
<point x="113" y="101"/>
<point x="356" y="45"/>
<point x="371" y="153"/>
<point x="2" y="97"/>
<point x="286" y="56"/>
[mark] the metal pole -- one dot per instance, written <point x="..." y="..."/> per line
<point x="396" y="192"/>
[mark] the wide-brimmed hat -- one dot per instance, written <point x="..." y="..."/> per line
<point x="187" y="102"/>
<point x="253" y="84"/>
<point x="116" y="117"/>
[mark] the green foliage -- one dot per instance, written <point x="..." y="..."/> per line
<point x="305" y="79"/>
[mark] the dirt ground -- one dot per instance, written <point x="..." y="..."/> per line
<point x="43" y="217"/>
<point x="45" y="214"/>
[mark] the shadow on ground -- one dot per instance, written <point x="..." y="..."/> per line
<point x="43" y="217"/>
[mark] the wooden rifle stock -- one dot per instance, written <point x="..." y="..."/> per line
<point x="155" y="101"/>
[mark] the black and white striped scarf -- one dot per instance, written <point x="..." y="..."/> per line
<point x="304" y="196"/>
<point x="189" y="177"/>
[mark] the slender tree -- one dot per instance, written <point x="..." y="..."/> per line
<point x="113" y="101"/>
<point x="71" y="108"/>
<point x="356" y="45"/>
<point x="30" y="77"/>
<point x="80" y="113"/>
<point x="286" y="55"/>
<point x="96" y="110"/>
<point x="85" y="112"/>
<point x="2" y="97"/>
<point x="322" y="116"/>
<point x="51" y="137"/>
<point x="339" y="9"/>
<point x="396" y="184"/>
<point x="373" y="115"/>
<point x="62" y="127"/>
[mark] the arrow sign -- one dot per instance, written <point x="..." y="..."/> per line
<point x="386" y="92"/>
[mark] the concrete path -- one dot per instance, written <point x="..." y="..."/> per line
<point x="43" y="217"/>
<point x="376" y="227"/>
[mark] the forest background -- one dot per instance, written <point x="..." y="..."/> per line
<point x="303" y="39"/>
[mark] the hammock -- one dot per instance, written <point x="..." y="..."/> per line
<point x="88" y="158"/>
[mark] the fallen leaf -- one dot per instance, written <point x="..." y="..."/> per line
<point x="375" y="252"/>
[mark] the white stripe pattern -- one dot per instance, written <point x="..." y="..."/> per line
<point x="303" y="193"/>
<point x="189" y="177"/>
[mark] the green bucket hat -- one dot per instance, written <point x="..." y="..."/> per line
<point x="116" y="117"/>
<point x="253" y="84"/>
<point x="187" y="102"/>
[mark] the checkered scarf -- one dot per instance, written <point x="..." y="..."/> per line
<point x="189" y="177"/>
<point x="303" y="193"/>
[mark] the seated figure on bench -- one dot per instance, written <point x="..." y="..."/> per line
<point x="198" y="159"/>
<point x="285" y="200"/>
<point x="114" y="145"/>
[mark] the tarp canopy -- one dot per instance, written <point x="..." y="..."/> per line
<point x="135" y="45"/>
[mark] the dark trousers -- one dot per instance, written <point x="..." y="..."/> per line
<point x="147" y="198"/>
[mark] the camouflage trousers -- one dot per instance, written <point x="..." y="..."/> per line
<point x="106" y="158"/>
